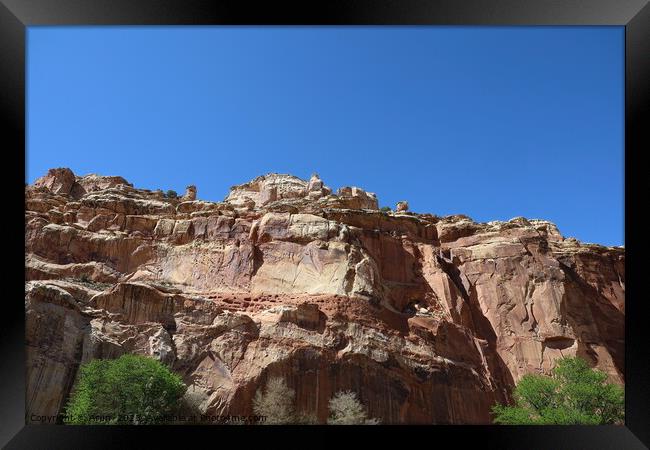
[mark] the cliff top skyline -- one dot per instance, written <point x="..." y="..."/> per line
<point x="493" y="123"/>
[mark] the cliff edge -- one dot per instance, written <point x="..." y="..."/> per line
<point x="429" y="319"/>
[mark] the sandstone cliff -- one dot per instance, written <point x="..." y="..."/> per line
<point x="428" y="319"/>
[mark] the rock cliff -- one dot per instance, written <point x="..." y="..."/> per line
<point x="428" y="319"/>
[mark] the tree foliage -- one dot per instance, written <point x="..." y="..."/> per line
<point x="129" y="390"/>
<point x="346" y="409"/>
<point x="275" y="402"/>
<point x="574" y="394"/>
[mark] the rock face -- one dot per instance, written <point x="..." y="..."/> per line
<point x="190" y="193"/>
<point x="427" y="319"/>
<point x="266" y="189"/>
<point x="402" y="207"/>
<point x="63" y="181"/>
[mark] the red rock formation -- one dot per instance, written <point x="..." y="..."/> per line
<point x="429" y="320"/>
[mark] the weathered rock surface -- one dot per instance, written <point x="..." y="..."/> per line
<point x="402" y="206"/>
<point x="428" y="319"/>
<point x="190" y="193"/>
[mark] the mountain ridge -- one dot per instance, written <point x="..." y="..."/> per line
<point x="429" y="319"/>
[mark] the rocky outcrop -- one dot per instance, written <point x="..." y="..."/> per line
<point x="402" y="206"/>
<point x="428" y="319"/>
<point x="190" y="193"/>
<point x="57" y="181"/>
<point x="289" y="193"/>
<point x="63" y="181"/>
<point x="93" y="182"/>
<point x="356" y="198"/>
<point x="267" y="188"/>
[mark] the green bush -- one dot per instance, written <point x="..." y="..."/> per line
<point x="171" y="194"/>
<point x="575" y="394"/>
<point x="130" y="390"/>
<point x="385" y="209"/>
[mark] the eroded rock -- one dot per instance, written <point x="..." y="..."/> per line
<point x="428" y="319"/>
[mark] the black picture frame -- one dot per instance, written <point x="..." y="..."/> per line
<point x="16" y="15"/>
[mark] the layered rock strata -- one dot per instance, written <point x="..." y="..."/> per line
<point x="428" y="319"/>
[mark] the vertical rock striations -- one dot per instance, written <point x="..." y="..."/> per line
<point x="427" y="319"/>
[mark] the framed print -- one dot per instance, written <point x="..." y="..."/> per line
<point x="370" y="217"/>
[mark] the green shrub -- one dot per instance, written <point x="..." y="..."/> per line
<point x="575" y="394"/>
<point x="385" y="209"/>
<point x="130" y="390"/>
<point x="171" y="194"/>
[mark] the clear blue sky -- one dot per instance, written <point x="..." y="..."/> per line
<point x="490" y="122"/>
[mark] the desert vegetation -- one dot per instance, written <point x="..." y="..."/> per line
<point x="129" y="390"/>
<point x="276" y="403"/>
<point x="574" y="394"/>
<point x="346" y="409"/>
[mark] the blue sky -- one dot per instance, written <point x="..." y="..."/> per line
<point x="490" y="122"/>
